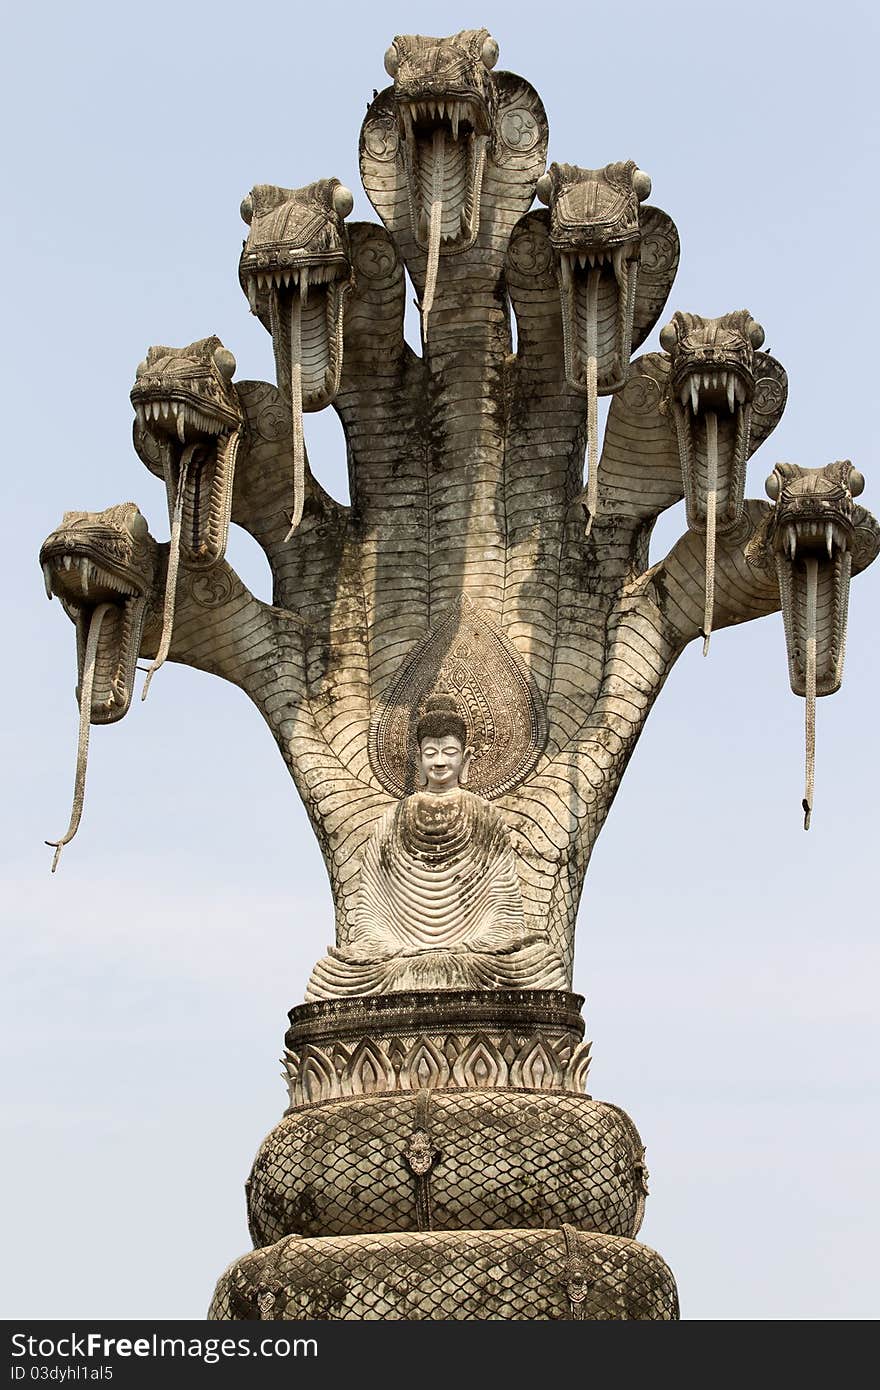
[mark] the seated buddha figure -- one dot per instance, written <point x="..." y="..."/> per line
<point x="439" y="904"/>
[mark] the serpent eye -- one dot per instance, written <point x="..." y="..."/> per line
<point x="343" y="200"/>
<point x="641" y="184"/>
<point x="489" y="53"/>
<point x="771" y="486"/>
<point x="756" y="334"/>
<point x="142" y="369"/>
<point x="224" y="362"/>
<point x="543" y="189"/>
<point x="668" y="337"/>
<point x="392" y="60"/>
<point x="137" y="527"/>
<point x="856" y="482"/>
<point x="247" y="208"/>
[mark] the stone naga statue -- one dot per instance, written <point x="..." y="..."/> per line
<point x="462" y="561"/>
<point x="456" y="667"/>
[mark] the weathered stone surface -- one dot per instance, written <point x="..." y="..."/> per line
<point x="491" y="1159"/>
<point x="439" y="902"/>
<point x="457" y="666"/>
<point x="468" y="493"/>
<point x="296" y="271"/>
<point x="456" y="1275"/>
<point x="818" y="536"/>
<point x="445" y="1040"/>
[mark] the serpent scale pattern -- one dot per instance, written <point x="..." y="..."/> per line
<point x="460" y="1276"/>
<point x="505" y="1159"/>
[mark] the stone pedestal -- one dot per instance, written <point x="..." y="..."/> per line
<point x="440" y="1159"/>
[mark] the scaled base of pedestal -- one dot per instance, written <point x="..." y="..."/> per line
<point x="448" y="1160"/>
<point x="439" y="1160"/>
<point x="539" y="1275"/>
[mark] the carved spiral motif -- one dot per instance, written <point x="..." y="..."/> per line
<point x="211" y="589"/>
<point x="519" y="130"/>
<point x="375" y="260"/>
<point x="769" y="396"/>
<point x="268" y="418"/>
<point x="530" y="254"/>
<point x="149" y="449"/>
<point x="658" y="254"/>
<point x="381" y="140"/>
<point x="641" y="395"/>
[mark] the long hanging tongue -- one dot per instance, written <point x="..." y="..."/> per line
<point x="436" y="222"/>
<point x="592" y="396"/>
<point x="812" y="568"/>
<point x="711" y="511"/>
<point x="173" y="565"/>
<point x="296" y="411"/>
<point x="86" y="686"/>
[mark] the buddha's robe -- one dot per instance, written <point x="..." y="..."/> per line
<point x="439" y="907"/>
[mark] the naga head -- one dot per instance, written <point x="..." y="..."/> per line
<point x="444" y="97"/>
<point x="297" y="251"/>
<point x="814" y="509"/>
<point x="596" y="236"/>
<point x="712" y="384"/>
<point x="104" y="560"/>
<point x="811" y="534"/>
<point x="185" y="400"/>
<point x="711" y="388"/>
<point x="296" y="271"/>
<point x="186" y="403"/>
<point x="102" y="566"/>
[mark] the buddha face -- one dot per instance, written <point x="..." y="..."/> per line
<point x="443" y="762"/>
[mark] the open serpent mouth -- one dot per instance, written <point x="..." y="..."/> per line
<point x="595" y="234"/>
<point x="712" y="410"/>
<point x="185" y="400"/>
<point x="446" y="153"/>
<point x="594" y="230"/>
<point x="599" y="294"/>
<point x="192" y="425"/>
<point x="303" y="303"/>
<point x="443" y="97"/>
<point x="446" y="160"/>
<point x="101" y="568"/>
<point x="712" y="385"/>
<point x="812" y="531"/>
<point x="296" y="272"/>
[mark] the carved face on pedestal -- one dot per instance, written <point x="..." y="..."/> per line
<point x="443" y="763"/>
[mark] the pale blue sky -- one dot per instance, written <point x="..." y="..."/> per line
<point x="729" y="960"/>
